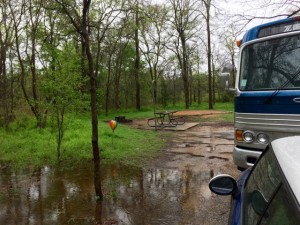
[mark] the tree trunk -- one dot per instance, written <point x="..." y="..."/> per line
<point x="60" y="127"/>
<point x="185" y="74"/>
<point x="32" y="25"/>
<point x="107" y="93"/>
<point x="210" y="90"/>
<point x="35" y="105"/>
<point x="213" y="82"/>
<point x="96" y="155"/>
<point x="116" y="80"/>
<point x="199" y="91"/>
<point x="233" y="70"/>
<point x="174" y="88"/>
<point x="191" y="85"/>
<point x="137" y="61"/>
<point x="83" y="67"/>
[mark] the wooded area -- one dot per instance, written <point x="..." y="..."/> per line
<point x="62" y="55"/>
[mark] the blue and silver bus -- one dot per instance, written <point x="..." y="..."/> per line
<point x="267" y="88"/>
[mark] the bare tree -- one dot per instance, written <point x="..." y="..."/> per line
<point x="229" y="38"/>
<point x="207" y="6"/>
<point x="26" y="16"/>
<point x="154" y="41"/>
<point x="137" y="57"/>
<point x="185" y="22"/>
<point x="107" y="35"/>
<point x="264" y="10"/>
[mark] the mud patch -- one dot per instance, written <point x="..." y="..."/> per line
<point x="206" y="148"/>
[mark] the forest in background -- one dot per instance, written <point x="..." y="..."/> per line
<point x="139" y="51"/>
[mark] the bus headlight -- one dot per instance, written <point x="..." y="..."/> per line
<point x="262" y="138"/>
<point x="248" y="136"/>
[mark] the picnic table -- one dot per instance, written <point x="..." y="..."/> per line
<point x="165" y="119"/>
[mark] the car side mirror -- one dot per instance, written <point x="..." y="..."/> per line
<point x="224" y="81"/>
<point x="223" y="184"/>
<point x="258" y="202"/>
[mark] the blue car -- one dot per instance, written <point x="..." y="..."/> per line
<point x="268" y="193"/>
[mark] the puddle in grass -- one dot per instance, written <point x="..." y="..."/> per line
<point x="149" y="196"/>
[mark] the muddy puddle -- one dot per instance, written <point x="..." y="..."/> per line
<point x="172" y="190"/>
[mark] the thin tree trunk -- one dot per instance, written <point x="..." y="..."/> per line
<point x="213" y="82"/>
<point x="199" y="91"/>
<point x="185" y="75"/>
<point x="107" y="93"/>
<point x="137" y="61"/>
<point x="233" y="70"/>
<point x="96" y="155"/>
<point x="210" y="90"/>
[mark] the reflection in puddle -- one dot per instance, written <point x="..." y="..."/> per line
<point x="132" y="195"/>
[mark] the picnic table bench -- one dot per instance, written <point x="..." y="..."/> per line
<point x="165" y="119"/>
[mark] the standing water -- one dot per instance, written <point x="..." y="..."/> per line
<point x="174" y="191"/>
<point x="66" y="195"/>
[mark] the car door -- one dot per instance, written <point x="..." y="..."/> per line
<point x="268" y="200"/>
<point x="260" y="187"/>
<point x="282" y="210"/>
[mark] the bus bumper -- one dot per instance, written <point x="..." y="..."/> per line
<point x="245" y="158"/>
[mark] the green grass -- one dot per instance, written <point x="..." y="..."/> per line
<point x="22" y="144"/>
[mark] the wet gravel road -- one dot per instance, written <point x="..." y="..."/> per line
<point x="201" y="153"/>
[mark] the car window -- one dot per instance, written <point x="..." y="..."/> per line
<point x="282" y="210"/>
<point x="260" y="187"/>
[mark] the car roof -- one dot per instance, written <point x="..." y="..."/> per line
<point x="287" y="151"/>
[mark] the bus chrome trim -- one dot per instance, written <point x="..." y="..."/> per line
<point x="296" y="100"/>
<point x="271" y="122"/>
<point x="241" y="155"/>
<point x="267" y="38"/>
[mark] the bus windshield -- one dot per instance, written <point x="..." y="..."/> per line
<point x="270" y="65"/>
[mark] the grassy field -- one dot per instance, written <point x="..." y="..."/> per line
<point x="22" y="144"/>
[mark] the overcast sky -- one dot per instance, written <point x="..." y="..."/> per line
<point x="231" y="8"/>
<point x="257" y="8"/>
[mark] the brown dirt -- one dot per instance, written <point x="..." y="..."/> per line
<point x="202" y="152"/>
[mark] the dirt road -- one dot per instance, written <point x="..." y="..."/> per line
<point x="198" y="154"/>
